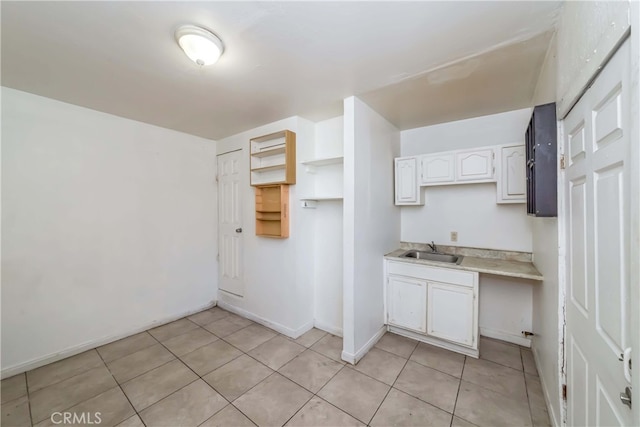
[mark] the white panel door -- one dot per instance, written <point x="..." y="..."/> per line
<point x="450" y="313"/>
<point x="437" y="168"/>
<point x="230" y="223"/>
<point x="407" y="303"/>
<point x="597" y="147"/>
<point x="474" y="165"/>
<point x="512" y="178"/>
<point x="407" y="190"/>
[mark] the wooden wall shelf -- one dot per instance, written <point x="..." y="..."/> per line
<point x="272" y="211"/>
<point x="273" y="158"/>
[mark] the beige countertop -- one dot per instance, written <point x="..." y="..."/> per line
<point x="500" y="267"/>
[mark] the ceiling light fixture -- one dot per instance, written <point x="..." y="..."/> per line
<point x="200" y="45"/>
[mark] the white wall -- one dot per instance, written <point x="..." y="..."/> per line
<point x="328" y="218"/>
<point x="372" y="222"/>
<point x="471" y="210"/>
<point x="278" y="273"/>
<point x="506" y="308"/>
<point x="587" y="33"/>
<point x="547" y="345"/>
<point x="109" y="226"/>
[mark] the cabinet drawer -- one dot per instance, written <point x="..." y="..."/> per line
<point x="446" y="275"/>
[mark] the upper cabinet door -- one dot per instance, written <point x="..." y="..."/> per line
<point x="512" y="181"/>
<point x="407" y="189"/>
<point x="437" y="168"/>
<point x="475" y="165"/>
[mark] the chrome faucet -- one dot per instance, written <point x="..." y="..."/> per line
<point x="432" y="246"/>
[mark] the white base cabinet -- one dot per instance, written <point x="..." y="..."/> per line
<point x="450" y="312"/>
<point x="432" y="304"/>
<point x="407" y="303"/>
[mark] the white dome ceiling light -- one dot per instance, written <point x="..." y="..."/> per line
<point x="200" y="45"/>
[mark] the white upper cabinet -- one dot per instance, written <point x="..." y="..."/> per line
<point x="475" y="165"/>
<point x="437" y="168"/>
<point x="407" y="189"/>
<point x="468" y="166"/>
<point x="512" y="179"/>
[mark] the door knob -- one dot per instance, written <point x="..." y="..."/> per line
<point x="625" y="397"/>
<point x="239" y="230"/>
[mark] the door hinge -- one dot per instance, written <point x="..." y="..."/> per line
<point x="218" y="256"/>
<point x="216" y="177"/>
<point x="562" y="162"/>
<point x="564" y="392"/>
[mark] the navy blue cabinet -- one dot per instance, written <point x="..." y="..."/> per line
<point x="542" y="162"/>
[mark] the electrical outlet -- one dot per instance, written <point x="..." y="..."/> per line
<point x="454" y="236"/>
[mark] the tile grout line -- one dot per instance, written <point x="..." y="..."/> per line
<point x="389" y="391"/>
<point x="319" y="397"/>
<point x="431" y="367"/>
<point x="459" y="379"/>
<point x="213" y="388"/>
<point x="26" y="385"/>
<point x="526" y="389"/>
<point x="175" y="358"/>
<point x="122" y="390"/>
<point x="73" y="376"/>
<point x="118" y="385"/>
<point x="68" y="378"/>
<point x="394" y="381"/>
<point x="455" y="404"/>
<point x="186" y="385"/>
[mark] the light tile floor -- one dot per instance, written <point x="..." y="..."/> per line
<point x="218" y="369"/>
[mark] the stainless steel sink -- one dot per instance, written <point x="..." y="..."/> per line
<point x="432" y="256"/>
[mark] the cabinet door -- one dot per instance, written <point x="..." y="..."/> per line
<point x="407" y="190"/>
<point x="474" y="165"/>
<point x="407" y="303"/>
<point x="451" y="313"/>
<point x="437" y="168"/>
<point x="512" y="178"/>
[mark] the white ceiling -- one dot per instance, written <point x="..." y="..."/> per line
<point x="281" y="59"/>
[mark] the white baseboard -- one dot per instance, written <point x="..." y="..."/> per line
<point x="328" y="328"/>
<point x="355" y="358"/>
<point x="284" y="330"/>
<point x="505" y="336"/>
<point x="545" y="391"/>
<point x="77" y="349"/>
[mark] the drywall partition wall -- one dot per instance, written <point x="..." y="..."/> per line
<point x="471" y="210"/>
<point x="278" y="273"/>
<point x="109" y="227"/>
<point x="547" y="342"/>
<point x="547" y="324"/>
<point x="588" y="33"/>
<point x="328" y="218"/>
<point x="371" y="223"/>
